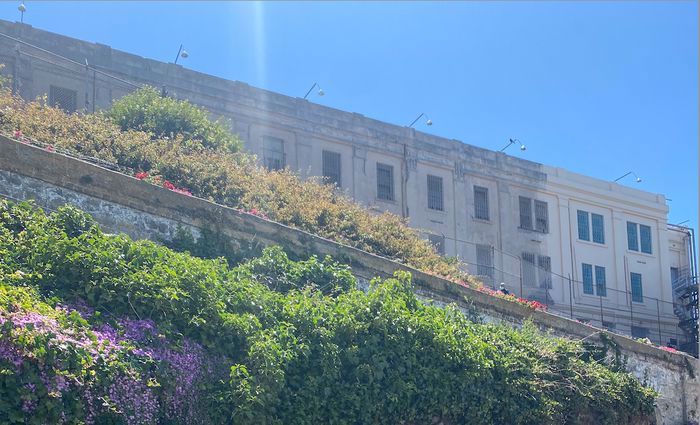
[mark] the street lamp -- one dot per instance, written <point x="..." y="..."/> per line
<point x="512" y="142"/>
<point x="181" y="53"/>
<point x="428" y="121"/>
<point x="637" y="179"/>
<point x="320" y="90"/>
<point x="22" y="8"/>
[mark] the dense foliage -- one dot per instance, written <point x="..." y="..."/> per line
<point x="161" y="116"/>
<point x="209" y="170"/>
<point x="99" y="328"/>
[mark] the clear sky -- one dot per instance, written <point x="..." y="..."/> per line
<point x="600" y="88"/>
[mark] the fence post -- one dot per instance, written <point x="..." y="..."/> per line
<point x="631" y="312"/>
<point x="520" y="261"/>
<point x="658" y="317"/>
<point x="600" y="297"/>
<point x="571" y="297"/>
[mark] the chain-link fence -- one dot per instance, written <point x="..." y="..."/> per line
<point x="592" y="301"/>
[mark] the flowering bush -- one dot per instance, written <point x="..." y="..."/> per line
<point x="127" y="136"/>
<point x="97" y="328"/>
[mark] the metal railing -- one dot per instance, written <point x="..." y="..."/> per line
<point x="605" y="307"/>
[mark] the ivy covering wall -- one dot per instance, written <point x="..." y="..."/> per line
<point x="98" y="328"/>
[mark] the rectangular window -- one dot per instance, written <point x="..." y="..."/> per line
<point x="481" y="203"/>
<point x="609" y="326"/>
<point x="598" y="226"/>
<point x="438" y="241"/>
<point x="583" y="233"/>
<point x="541" y="217"/>
<point x="331" y="167"/>
<point x="600" y="287"/>
<point x="675" y="276"/>
<point x="632" y="242"/>
<point x="385" y="182"/>
<point x="639" y="332"/>
<point x="587" y="274"/>
<point x="435" y="193"/>
<point x="529" y="269"/>
<point x="645" y="238"/>
<point x="544" y="264"/>
<point x="484" y="261"/>
<point x="636" y="285"/>
<point x="61" y="97"/>
<point x="273" y="153"/>
<point x="525" y="213"/>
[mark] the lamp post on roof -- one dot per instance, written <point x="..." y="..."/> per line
<point x="181" y="53"/>
<point x="428" y="121"/>
<point x="320" y="90"/>
<point x="512" y="142"/>
<point x="637" y="178"/>
<point x="22" y="8"/>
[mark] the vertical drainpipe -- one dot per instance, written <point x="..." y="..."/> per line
<point x="454" y="205"/>
<point x="404" y="182"/>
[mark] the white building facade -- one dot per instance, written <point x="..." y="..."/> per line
<point x="592" y="250"/>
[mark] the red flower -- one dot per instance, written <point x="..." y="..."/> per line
<point x="141" y="175"/>
<point x="49" y="148"/>
<point x="18" y="134"/>
<point x="168" y="185"/>
<point x="669" y="349"/>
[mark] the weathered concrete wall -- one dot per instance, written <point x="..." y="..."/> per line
<point x="122" y="203"/>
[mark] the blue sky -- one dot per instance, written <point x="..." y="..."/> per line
<point x="600" y="88"/>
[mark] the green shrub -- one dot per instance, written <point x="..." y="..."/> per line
<point x="148" y="111"/>
<point x="232" y="179"/>
<point x="145" y="335"/>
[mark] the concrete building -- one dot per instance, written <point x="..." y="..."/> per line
<point x="591" y="249"/>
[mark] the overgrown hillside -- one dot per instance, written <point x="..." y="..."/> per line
<point x="172" y="143"/>
<point x="98" y="328"/>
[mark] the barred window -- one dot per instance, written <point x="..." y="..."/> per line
<point x="529" y="269"/>
<point x="61" y="97"/>
<point x="638" y="241"/>
<point x="273" y="153"/>
<point x="598" y="226"/>
<point x="484" y="262"/>
<point x="525" y="213"/>
<point x="601" y="289"/>
<point x="385" y="182"/>
<point x="438" y="241"/>
<point x="632" y="241"/>
<point x="636" y="285"/>
<point x="587" y="275"/>
<point x="639" y="332"/>
<point x="544" y="264"/>
<point x="541" y="217"/>
<point x="481" y="203"/>
<point x="645" y="238"/>
<point x="435" y="201"/>
<point x="583" y="233"/>
<point x="331" y="167"/>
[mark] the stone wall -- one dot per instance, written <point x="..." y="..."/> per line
<point x="124" y="204"/>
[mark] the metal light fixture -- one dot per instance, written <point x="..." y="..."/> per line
<point x="320" y="90"/>
<point x="181" y="53"/>
<point x="637" y="178"/>
<point x="512" y="142"/>
<point x="428" y="121"/>
<point x="22" y="8"/>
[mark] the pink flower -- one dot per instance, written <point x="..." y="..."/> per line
<point x="50" y="148"/>
<point x="18" y="134"/>
<point x="168" y="185"/>
<point x="182" y="191"/>
<point x="669" y="349"/>
<point x="141" y="175"/>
